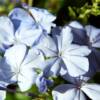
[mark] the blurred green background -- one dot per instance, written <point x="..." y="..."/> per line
<point x="85" y="11"/>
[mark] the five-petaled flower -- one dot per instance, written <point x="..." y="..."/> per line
<point x="62" y="54"/>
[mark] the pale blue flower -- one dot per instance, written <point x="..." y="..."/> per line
<point x="40" y="16"/>
<point x="90" y="36"/>
<point x="43" y="83"/>
<point x="61" y="54"/>
<point x="77" y="91"/>
<point x="27" y="34"/>
<point x="21" y="66"/>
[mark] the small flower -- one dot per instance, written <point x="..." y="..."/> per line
<point x="26" y="34"/>
<point x="61" y="54"/>
<point x="90" y="36"/>
<point x="21" y="66"/>
<point x="40" y="16"/>
<point x="42" y="83"/>
<point x="77" y="91"/>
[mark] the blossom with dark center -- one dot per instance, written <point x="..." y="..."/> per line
<point x="77" y="91"/>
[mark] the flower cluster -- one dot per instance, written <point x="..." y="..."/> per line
<point x="35" y="51"/>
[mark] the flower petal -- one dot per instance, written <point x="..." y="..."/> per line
<point x="26" y="78"/>
<point x="19" y="14"/>
<point x="97" y="59"/>
<point x="41" y="83"/>
<point x="92" y="91"/>
<point x="6" y="22"/>
<point x="28" y="34"/>
<point x="55" y="68"/>
<point x="52" y="67"/>
<point x="15" y="55"/>
<point x="34" y="59"/>
<point x="48" y="46"/>
<point x="76" y="50"/>
<point x="6" y="33"/>
<point x="67" y="37"/>
<point x="94" y="35"/>
<point x="75" y="24"/>
<point x="79" y="33"/>
<point x="43" y="17"/>
<point x="76" y="65"/>
<point x="2" y="95"/>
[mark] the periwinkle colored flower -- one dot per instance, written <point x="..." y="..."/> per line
<point x="43" y="83"/>
<point x="90" y="36"/>
<point x="60" y="53"/>
<point x="27" y="34"/>
<point x="40" y="16"/>
<point x="77" y="91"/>
<point x="21" y="66"/>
